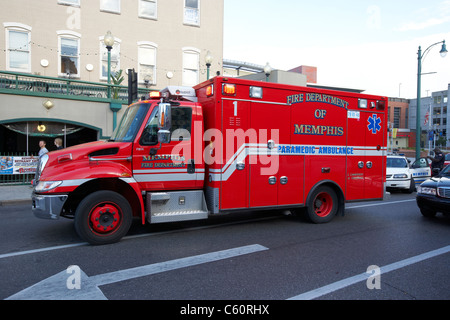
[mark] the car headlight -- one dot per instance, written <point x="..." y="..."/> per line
<point x="44" y="186"/>
<point x="426" y="190"/>
<point x="400" y="176"/>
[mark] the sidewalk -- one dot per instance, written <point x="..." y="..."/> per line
<point x="15" y="194"/>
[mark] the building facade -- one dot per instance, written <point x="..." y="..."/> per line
<point x="434" y="117"/>
<point x="54" y="62"/>
<point x="164" y="41"/>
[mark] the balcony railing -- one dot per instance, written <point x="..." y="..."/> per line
<point x="63" y="88"/>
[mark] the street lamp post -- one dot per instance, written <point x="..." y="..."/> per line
<point x="420" y="55"/>
<point x="108" y="40"/>
<point x="208" y="60"/>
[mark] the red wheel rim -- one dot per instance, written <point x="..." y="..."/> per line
<point x="323" y="204"/>
<point x="105" y="218"/>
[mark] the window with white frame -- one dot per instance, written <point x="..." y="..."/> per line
<point x="115" y="58"/>
<point x="147" y="62"/>
<point x="18" y="48"/>
<point x="191" y="66"/>
<point x="192" y="12"/>
<point x="110" y="6"/>
<point x="148" y="9"/>
<point x="75" y="3"/>
<point x="69" y="53"/>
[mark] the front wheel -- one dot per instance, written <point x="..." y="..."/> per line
<point x="429" y="213"/>
<point x="323" y="205"/>
<point x="103" y="217"/>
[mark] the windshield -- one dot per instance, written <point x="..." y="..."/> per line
<point x="396" y="163"/>
<point x="445" y="171"/>
<point x="131" y="122"/>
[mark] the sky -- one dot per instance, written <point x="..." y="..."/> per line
<point x="362" y="44"/>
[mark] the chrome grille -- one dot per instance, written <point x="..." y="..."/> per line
<point x="444" y="192"/>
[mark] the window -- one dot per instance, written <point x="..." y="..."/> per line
<point x="180" y="130"/>
<point x="191" y="65"/>
<point x="147" y="62"/>
<point x="192" y="12"/>
<point x="115" y="58"/>
<point x="110" y="6"/>
<point x="148" y="9"/>
<point x="69" y="53"/>
<point x="397" y="117"/>
<point x="70" y="2"/>
<point x="18" y="50"/>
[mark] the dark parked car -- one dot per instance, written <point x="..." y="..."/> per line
<point x="433" y="195"/>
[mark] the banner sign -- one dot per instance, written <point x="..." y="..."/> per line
<point x="18" y="165"/>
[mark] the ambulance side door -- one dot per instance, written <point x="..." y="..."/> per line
<point x="274" y="179"/>
<point x="365" y="162"/>
<point x="235" y="159"/>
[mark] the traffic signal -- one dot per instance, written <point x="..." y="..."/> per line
<point x="132" y="86"/>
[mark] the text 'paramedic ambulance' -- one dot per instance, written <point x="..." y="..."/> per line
<point x="226" y="145"/>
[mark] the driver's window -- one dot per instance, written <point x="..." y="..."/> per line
<point x="181" y="126"/>
<point x="150" y="134"/>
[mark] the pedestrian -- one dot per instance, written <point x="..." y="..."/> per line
<point x="58" y="144"/>
<point x="43" y="149"/>
<point x="437" y="163"/>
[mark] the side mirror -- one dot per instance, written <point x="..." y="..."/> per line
<point x="164" y="122"/>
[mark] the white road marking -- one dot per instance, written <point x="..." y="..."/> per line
<point x="378" y="204"/>
<point x="316" y="293"/>
<point x="55" y="287"/>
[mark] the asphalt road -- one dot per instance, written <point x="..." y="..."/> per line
<point x="245" y="256"/>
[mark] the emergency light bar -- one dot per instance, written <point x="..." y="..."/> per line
<point x="179" y="92"/>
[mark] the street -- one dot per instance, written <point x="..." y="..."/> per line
<point x="243" y="256"/>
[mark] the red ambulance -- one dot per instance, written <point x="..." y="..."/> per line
<point x="226" y="145"/>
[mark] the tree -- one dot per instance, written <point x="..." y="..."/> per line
<point x="117" y="79"/>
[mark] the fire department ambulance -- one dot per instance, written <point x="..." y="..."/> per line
<point x="226" y="145"/>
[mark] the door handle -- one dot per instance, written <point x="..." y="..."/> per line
<point x="191" y="167"/>
<point x="240" y="166"/>
<point x="272" y="180"/>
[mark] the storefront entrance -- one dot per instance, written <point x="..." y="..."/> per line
<point x="22" y="138"/>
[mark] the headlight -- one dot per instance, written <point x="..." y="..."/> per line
<point x="44" y="186"/>
<point x="400" y="176"/>
<point x="426" y="190"/>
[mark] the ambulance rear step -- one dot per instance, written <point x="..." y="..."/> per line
<point x="176" y="206"/>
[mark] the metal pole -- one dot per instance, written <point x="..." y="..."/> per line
<point x="109" y="71"/>
<point x="418" y="129"/>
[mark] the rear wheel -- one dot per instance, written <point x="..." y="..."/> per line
<point x="103" y="217"/>
<point x="323" y="205"/>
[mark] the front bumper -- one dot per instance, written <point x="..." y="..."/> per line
<point x="433" y="202"/>
<point x="398" y="184"/>
<point x="47" y="206"/>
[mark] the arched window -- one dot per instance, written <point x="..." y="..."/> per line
<point x="69" y="53"/>
<point x="147" y="62"/>
<point x="191" y="66"/>
<point x="115" y="58"/>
